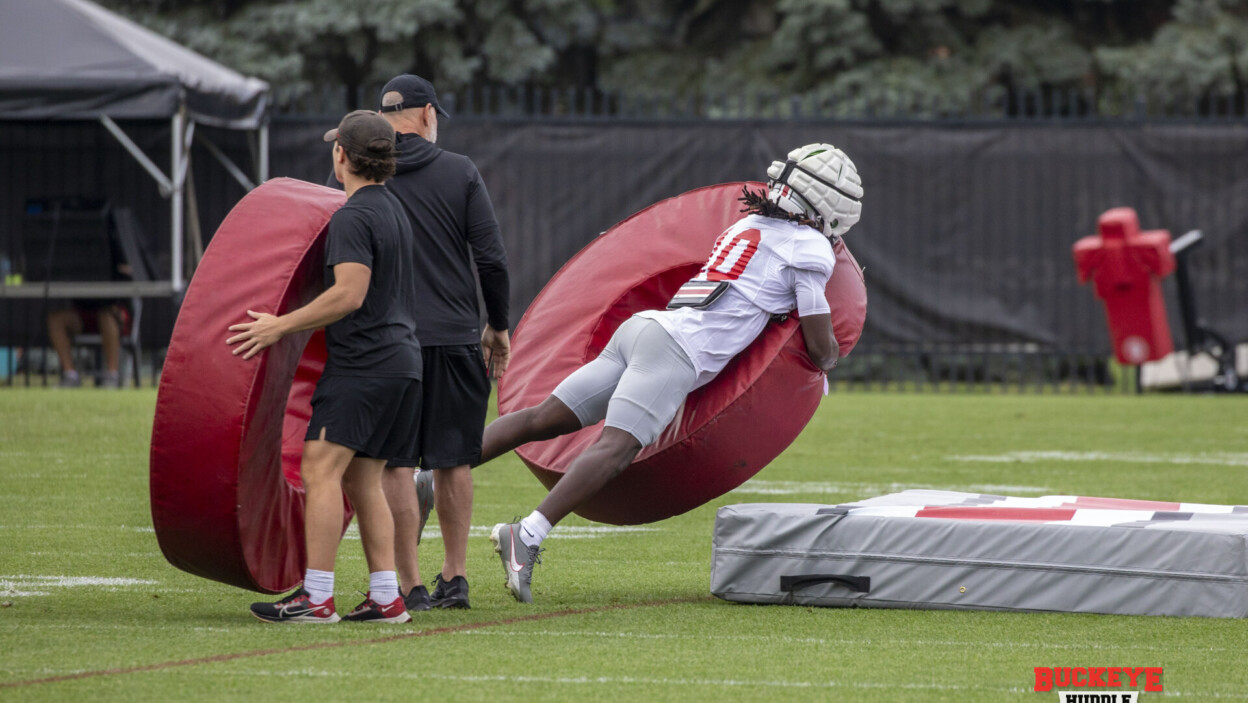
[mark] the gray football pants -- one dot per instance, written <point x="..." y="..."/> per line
<point x="637" y="383"/>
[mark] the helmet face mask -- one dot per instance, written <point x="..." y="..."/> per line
<point x="792" y="202"/>
<point x="820" y="182"/>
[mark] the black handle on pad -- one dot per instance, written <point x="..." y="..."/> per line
<point x="862" y="584"/>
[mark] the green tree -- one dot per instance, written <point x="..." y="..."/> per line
<point x="850" y="56"/>
<point x="1200" y="56"/>
<point x="300" y="46"/>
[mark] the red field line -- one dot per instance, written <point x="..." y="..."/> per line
<point x="332" y="645"/>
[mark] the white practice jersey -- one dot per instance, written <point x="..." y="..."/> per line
<point x="774" y="267"/>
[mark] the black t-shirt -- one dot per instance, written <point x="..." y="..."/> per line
<point x="457" y="236"/>
<point x="379" y="339"/>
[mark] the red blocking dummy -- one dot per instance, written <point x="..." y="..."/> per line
<point x="1126" y="267"/>
<point x="727" y="430"/>
<point x="227" y="438"/>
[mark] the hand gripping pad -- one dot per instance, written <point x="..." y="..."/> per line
<point x="227" y="439"/>
<point x="727" y="430"/>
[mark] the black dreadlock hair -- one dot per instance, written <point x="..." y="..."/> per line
<point x="757" y="203"/>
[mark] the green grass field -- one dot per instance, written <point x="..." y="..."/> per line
<point x="92" y="611"/>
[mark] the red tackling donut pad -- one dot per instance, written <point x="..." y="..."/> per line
<point x="727" y="430"/>
<point x="227" y="439"/>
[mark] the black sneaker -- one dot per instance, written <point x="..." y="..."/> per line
<point x="450" y="594"/>
<point x="417" y="599"/>
<point x="371" y="611"/>
<point x="296" y="607"/>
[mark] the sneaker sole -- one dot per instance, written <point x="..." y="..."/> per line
<point x="455" y="605"/>
<point x="298" y="620"/>
<point x="396" y="620"/>
<point x="512" y="578"/>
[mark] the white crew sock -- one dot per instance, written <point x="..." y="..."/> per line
<point x="319" y="585"/>
<point x="534" y="528"/>
<point x="383" y="586"/>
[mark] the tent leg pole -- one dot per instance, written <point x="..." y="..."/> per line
<point x="175" y="227"/>
<point x="165" y="184"/>
<point x="263" y="174"/>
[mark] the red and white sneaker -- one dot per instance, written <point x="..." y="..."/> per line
<point x="296" y="607"/>
<point x="372" y="611"/>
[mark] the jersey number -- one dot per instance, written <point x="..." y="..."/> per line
<point x="731" y="255"/>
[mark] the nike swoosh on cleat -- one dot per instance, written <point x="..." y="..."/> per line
<point x="511" y="554"/>
<point x="294" y="613"/>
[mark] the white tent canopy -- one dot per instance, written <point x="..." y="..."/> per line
<point x="73" y="60"/>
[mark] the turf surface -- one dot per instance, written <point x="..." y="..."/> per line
<point x="89" y="609"/>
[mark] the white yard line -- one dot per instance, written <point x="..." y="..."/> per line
<point x="784" y="639"/>
<point x="615" y="680"/>
<point x="78" y="527"/>
<point x="561" y="532"/>
<point x="24" y="585"/>
<point x="1210" y="458"/>
<point x="763" y="487"/>
<point x="669" y="682"/>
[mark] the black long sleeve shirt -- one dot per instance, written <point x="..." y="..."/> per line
<point x="456" y="234"/>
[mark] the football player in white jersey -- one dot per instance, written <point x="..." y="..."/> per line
<point x="776" y="259"/>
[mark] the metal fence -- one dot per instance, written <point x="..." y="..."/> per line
<point x="981" y="297"/>
<point x="932" y="367"/>
<point x="948" y="368"/>
<point x="994" y="104"/>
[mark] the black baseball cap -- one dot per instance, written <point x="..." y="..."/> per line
<point x="416" y="92"/>
<point x="365" y="133"/>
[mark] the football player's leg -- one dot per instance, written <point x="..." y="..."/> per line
<point x="579" y="401"/>
<point x="548" y="419"/>
<point x="651" y="390"/>
<point x="589" y="472"/>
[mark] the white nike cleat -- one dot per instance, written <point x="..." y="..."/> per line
<point x="424" y="498"/>
<point x="518" y="559"/>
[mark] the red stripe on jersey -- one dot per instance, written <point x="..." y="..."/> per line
<point x="745" y="243"/>
<point x="989" y="512"/>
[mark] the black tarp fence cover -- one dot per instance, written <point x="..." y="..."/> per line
<point x="965" y="235"/>
<point x="966" y="231"/>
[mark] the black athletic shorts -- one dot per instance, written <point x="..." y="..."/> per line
<point x="377" y="416"/>
<point x="457" y="394"/>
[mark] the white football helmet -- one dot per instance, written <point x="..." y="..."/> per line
<point x="819" y="181"/>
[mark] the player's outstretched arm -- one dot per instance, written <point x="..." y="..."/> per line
<point x="821" y="343"/>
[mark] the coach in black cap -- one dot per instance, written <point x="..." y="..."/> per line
<point x="413" y="92"/>
<point x="456" y="236"/>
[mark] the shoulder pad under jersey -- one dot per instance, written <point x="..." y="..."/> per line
<point x="812" y="251"/>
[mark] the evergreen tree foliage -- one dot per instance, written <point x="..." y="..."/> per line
<point x="908" y="56"/>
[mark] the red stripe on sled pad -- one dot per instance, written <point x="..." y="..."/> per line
<point x="1122" y="504"/>
<point x="997" y="513"/>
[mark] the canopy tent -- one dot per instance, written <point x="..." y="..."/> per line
<point x="73" y="60"/>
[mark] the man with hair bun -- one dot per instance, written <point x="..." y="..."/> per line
<point x="775" y="260"/>
<point x="367" y="404"/>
